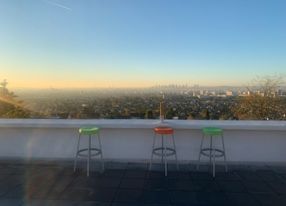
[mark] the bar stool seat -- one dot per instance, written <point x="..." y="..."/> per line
<point x="212" y="152"/>
<point x="89" y="151"/>
<point x="163" y="151"/>
<point x="163" y="130"/>
<point x="88" y="130"/>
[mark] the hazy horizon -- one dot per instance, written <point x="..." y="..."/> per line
<point x="70" y="44"/>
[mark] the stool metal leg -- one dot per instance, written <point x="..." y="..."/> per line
<point x="211" y="148"/>
<point x="89" y="154"/>
<point x="162" y="152"/>
<point x="200" y="152"/>
<point x="101" y="155"/>
<point x="224" y="155"/>
<point x="165" y="155"/>
<point x="174" y="145"/>
<point x="213" y="154"/>
<point x="76" y="154"/>
<point x="153" y="147"/>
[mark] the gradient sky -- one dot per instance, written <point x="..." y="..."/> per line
<point x="136" y="43"/>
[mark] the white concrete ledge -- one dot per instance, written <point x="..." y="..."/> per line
<point x="143" y="124"/>
<point x="245" y="141"/>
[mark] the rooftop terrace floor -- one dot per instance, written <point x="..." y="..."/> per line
<point x="126" y="184"/>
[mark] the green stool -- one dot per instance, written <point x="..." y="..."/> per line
<point x="212" y="152"/>
<point x="89" y="151"/>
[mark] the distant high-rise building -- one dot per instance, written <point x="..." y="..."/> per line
<point x="229" y="93"/>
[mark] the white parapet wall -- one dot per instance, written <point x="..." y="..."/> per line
<point x="245" y="141"/>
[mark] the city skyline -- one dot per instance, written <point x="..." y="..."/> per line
<point x="110" y="44"/>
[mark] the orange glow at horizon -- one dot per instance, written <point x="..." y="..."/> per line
<point x="33" y="78"/>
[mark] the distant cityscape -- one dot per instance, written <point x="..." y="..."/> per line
<point x="180" y="102"/>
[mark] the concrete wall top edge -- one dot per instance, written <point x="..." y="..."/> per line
<point x="143" y="124"/>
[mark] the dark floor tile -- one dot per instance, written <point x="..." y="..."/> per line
<point x="211" y="198"/>
<point x="227" y="176"/>
<point x="11" y="202"/>
<point x="194" y="186"/>
<point x="135" y="174"/>
<point x="92" y="203"/>
<point x="76" y="195"/>
<point x="282" y="200"/>
<point x="201" y="176"/>
<point x="173" y="167"/>
<point x="209" y="186"/>
<point x="61" y="183"/>
<point x="116" y="173"/>
<point x="278" y="169"/>
<point x="157" y="167"/>
<point x="3" y="177"/>
<point x="78" y="172"/>
<point x="5" y="188"/>
<point x="239" y="167"/>
<point x="115" y="165"/>
<point x="103" y="195"/>
<point x="160" y="204"/>
<point x="257" y="187"/>
<point x="56" y="184"/>
<point x="81" y="182"/>
<point x="203" y="168"/>
<point x="44" y="179"/>
<point x="49" y="171"/>
<point x="172" y="175"/>
<point x="50" y="191"/>
<point x="124" y="195"/>
<point x="156" y="184"/>
<point x="278" y="186"/>
<point x="67" y="203"/>
<point x="49" y="203"/>
<point x="155" y="175"/>
<point x="106" y="183"/>
<point x="178" y="175"/>
<point x="19" y="192"/>
<point x="249" y="176"/>
<point x="268" y="175"/>
<point x="155" y="197"/>
<point x="283" y="176"/>
<point x="13" y="170"/>
<point x="241" y="199"/>
<point x="137" y="166"/>
<point x="232" y="186"/>
<point x="127" y="204"/>
<point x="183" y="175"/>
<point x="183" y="198"/>
<point x="160" y="167"/>
<point x="132" y="183"/>
<point x="14" y="180"/>
<point x="95" y="182"/>
<point x="269" y="200"/>
<point x="184" y="167"/>
<point x="175" y="184"/>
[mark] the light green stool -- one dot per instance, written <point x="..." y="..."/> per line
<point x="89" y="151"/>
<point x="212" y="152"/>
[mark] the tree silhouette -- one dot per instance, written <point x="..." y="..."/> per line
<point x="9" y="106"/>
<point x="262" y="103"/>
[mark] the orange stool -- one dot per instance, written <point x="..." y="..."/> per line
<point x="163" y="151"/>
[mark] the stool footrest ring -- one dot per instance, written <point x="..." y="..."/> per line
<point x="220" y="153"/>
<point x="169" y="151"/>
<point x="96" y="153"/>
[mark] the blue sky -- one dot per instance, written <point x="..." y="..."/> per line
<point x="137" y="43"/>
